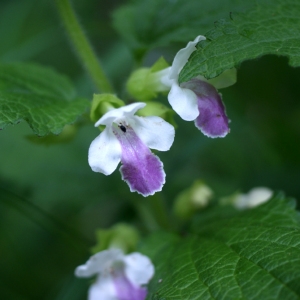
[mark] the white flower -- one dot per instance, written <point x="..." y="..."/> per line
<point x="183" y="101"/>
<point x="253" y="198"/>
<point x="127" y="138"/>
<point x="198" y="99"/>
<point x="119" y="276"/>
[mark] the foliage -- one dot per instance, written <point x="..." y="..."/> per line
<point x="45" y="99"/>
<point x="238" y="255"/>
<point x="144" y="25"/>
<point x="267" y="29"/>
<point x="51" y="203"/>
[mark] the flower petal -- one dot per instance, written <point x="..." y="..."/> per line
<point x="182" y="57"/>
<point x="119" y="113"/>
<point x="142" y="170"/>
<point x="253" y="198"/>
<point x="138" y="268"/>
<point x="165" y="77"/>
<point x="154" y="132"/>
<point x="212" y="120"/>
<point x="104" y="289"/>
<point x="184" y="102"/>
<point x="125" y="290"/>
<point x="100" y="262"/>
<point x="105" y="152"/>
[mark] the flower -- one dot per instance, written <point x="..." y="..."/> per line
<point x="253" y="198"/>
<point x="127" y="138"/>
<point x="198" y="99"/>
<point x="119" y="276"/>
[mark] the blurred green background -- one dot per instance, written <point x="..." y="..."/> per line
<point x="51" y="202"/>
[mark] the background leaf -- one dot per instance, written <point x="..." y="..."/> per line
<point x="253" y="254"/>
<point x="39" y="95"/>
<point x="272" y="27"/>
<point x="155" y="23"/>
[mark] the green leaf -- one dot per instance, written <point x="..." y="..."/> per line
<point x="272" y="27"/>
<point x="153" y="23"/>
<point x="252" y="254"/>
<point x="43" y="98"/>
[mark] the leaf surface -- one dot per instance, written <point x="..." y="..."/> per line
<point x="43" y="98"/>
<point x="271" y="27"/>
<point x="253" y="254"/>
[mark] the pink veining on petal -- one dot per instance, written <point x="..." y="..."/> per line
<point x="141" y="169"/>
<point x="212" y="119"/>
<point x="125" y="290"/>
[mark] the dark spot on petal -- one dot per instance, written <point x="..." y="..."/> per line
<point x="122" y="127"/>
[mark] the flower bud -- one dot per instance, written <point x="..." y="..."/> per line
<point x="145" y="83"/>
<point x="102" y="103"/>
<point x="192" y="199"/>
<point x="121" y="236"/>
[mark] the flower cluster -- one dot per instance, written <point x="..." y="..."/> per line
<point x="127" y="137"/>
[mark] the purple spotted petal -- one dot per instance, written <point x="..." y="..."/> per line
<point x="125" y="290"/>
<point x="212" y="120"/>
<point x="141" y="169"/>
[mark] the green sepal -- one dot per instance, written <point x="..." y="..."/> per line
<point x="121" y="236"/>
<point x="144" y="84"/>
<point x="159" y="65"/>
<point x="102" y="103"/>
<point x="158" y="109"/>
<point x="137" y="85"/>
<point x="194" y="198"/>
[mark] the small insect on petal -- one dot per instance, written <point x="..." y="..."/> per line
<point x="122" y="127"/>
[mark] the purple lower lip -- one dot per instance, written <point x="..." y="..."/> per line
<point x="141" y="169"/>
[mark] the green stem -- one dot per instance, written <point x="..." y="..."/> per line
<point x="149" y="221"/>
<point x="159" y="210"/>
<point x="153" y="213"/>
<point x="82" y="46"/>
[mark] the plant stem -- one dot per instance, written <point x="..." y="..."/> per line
<point x="148" y="219"/>
<point x="82" y="46"/>
<point x="159" y="211"/>
<point x="153" y="213"/>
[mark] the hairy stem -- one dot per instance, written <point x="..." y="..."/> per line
<point x="82" y="46"/>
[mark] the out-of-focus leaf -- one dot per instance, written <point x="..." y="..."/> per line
<point x="43" y="98"/>
<point x="272" y="27"/>
<point x="44" y="219"/>
<point x="152" y="23"/>
<point x="251" y="255"/>
<point x="9" y="29"/>
<point x="28" y="33"/>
